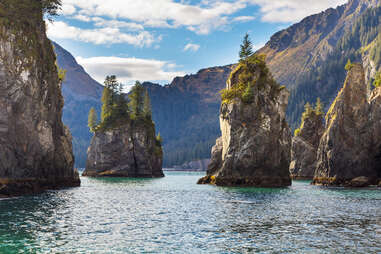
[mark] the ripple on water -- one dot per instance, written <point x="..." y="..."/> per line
<point x="174" y="215"/>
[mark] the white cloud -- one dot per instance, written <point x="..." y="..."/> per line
<point x="201" y="19"/>
<point x="292" y="10"/>
<point x="82" y="18"/>
<point x="128" y="70"/>
<point x="191" y="47"/>
<point x="243" y="18"/>
<point x="67" y="9"/>
<point x="131" y="26"/>
<point x="107" y="35"/>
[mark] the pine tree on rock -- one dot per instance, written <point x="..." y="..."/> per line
<point x="147" y="111"/>
<point x="136" y="97"/>
<point x="92" y="120"/>
<point x="246" y="48"/>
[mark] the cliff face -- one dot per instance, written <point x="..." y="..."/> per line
<point x="304" y="147"/>
<point x="35" y="146"/>
<point x="81" y="92"/>
<point x="254" y="149"/>
<point x="129" y="150"/>
<point x="350" y="147"/>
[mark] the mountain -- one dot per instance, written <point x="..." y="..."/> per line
<point x="308" y="58"/>
<point x="186" y="114"/>
<point x="307" y="44"/>
<point x="80" y="92"/>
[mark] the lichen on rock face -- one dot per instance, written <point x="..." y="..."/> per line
<point x="254" y="149"/>
<point x="35" y="146"/>
<point x="350" y="147"/>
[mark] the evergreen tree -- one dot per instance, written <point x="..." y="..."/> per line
<point x="112" y="83"/>
<point x="92" y="119"/>
<point x="349" y="65"/>
<point x="121" y="104"/>
<point x="106" y="104"/>
<point x="246" y="48"/>
<point x="377" y="80"/>
<point x="319" y="108"/>
<point x="147" y="111"/>
<point x="136" y="97"/>
<point x="307" y="110"/>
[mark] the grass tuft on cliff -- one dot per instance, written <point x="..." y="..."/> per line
<point x="251" y="74"/>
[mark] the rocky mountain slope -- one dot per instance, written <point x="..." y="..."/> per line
<point x="254" y="149"/>
<point x="35" y="147"/>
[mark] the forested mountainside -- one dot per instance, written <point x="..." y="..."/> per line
<point x="308" y="58"/>
<point x="361" y="43"/>
<point x="186" y="114"/>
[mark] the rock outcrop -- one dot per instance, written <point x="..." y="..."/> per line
<point x="304" y="146"/>
<point x="35" y="146"/>
<point x="130" y="150"/>
<point x="349" y="153"/>
<point x="254" y="149"/>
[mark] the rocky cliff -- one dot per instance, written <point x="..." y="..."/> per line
<point x="350" y="148"/>
<point x="130" y="150"/>
<point x="305" y="144"/>
<point x="254" y="149"/>
<point x="35" y="146"/>
<point x="81" y="92"/>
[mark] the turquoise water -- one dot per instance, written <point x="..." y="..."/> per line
<point x="174" y="215"/>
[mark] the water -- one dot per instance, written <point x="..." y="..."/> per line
<point x="174" y="215"/>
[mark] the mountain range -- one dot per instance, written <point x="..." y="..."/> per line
<point x="308" y="58"/>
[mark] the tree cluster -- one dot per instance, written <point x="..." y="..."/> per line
<point x="116" y="109"/>
<point x="310" y="111"/>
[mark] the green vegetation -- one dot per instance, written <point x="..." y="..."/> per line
<point x="117" y="110"/>
<point x="309" y="111"/>
<point x="377" y="80"/>
<point x="327" y="79"/>
<point x="246" y="49"/>
<point x="349" y="65"/>
<point x="250" y="75"/>
<point x="136" y="97"/>
<point x="92" y="120"/>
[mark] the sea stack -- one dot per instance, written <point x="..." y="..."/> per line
<point x="35" y="147"/>
<point x="254" y="149"/>
<point x="124" y="142"/>
<point x="305" y="143"/>
<point x="349" y="153"/>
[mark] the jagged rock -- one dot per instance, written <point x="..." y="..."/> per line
<point x="129" y="150"/>
<point x="361" y="181"/>
<point x="304" y="147"/>
<point x="35" y="146"/>
<point x="351" y="144"/>
<point x="254" y="149"/>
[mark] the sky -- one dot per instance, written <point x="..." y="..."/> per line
<point x="157" y="40"/>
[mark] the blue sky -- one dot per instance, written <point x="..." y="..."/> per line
<point x="156" y="40"/>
